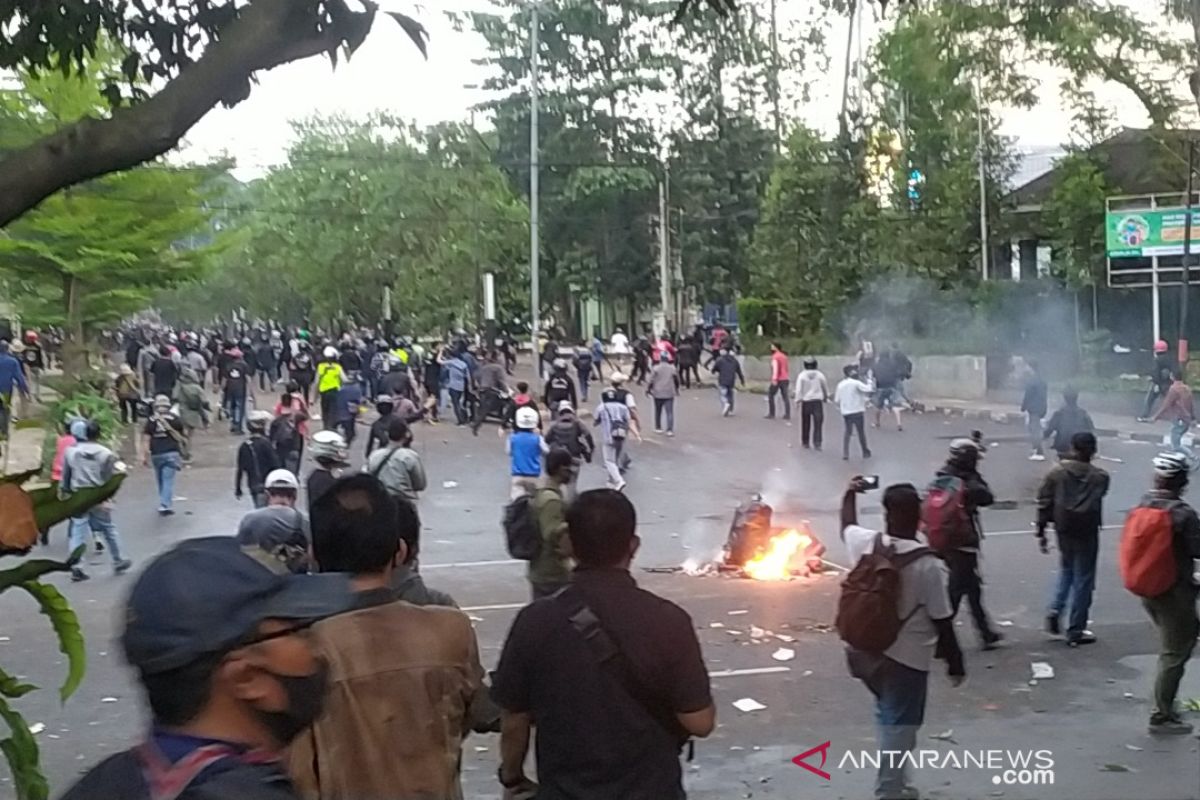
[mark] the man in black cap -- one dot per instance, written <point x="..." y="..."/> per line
<point x="221" y="644"/>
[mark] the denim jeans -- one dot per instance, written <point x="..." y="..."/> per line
<point x="1037" y="434"/>
<point x="456" y="400"/>
<point x="661" y="405"/>
<point x="726" y="393"/>
<point x="99" y="520"/>
<point x="854" y="422"/>
<point x="900" y="694"/>
<point x="235" y="409"/>
<point x="1178" y="429"/>
<point x="1076" y="579"/>
<point x="165" y="467"/>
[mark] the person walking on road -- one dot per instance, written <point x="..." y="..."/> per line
<point x="728" y="371"/>
<point x="886" y="375"/>
<point x="663" y="388"/>
<point x="458" y="381"/>
<point x="550" y="571"/>
<point x="279" y="529"/>
<point x="256" y="459"/>
<point x="962" y="555"/>
<point x="164" y="447"/>
<point x="87" y="465"/>
<point x="1034" y="406"/>
<point x="898" y="676"/>
<point x="1161" y="376"/>
<point x="614" y="419"/>
<point x="1163" y="513"/>
<point x="329" y="383"/>
<point x="525" y="450"/>
<point x="331" y="453"/>
<point x="568" y="433"/>
<point x="397" y="466"/>
<point x="235" y="377"/>
<point x="851" y="396"/>
<point x="779" y="382"/>
<point x="585" y="365"/>
<point x="1067" y="421"/>
<point x="1072" y="497"/>
<point x="1180" y="408"/>
<point x="812" y="392"/>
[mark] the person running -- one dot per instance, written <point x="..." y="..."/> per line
<point x="377" y="436"/>
<point x="328" y="449"/>
<point x="457" y="380"/>
<point x="1067" y="421"/>
<point x="12" y="377"/>
<point x="559" y="386"/>
<point x="1034" y="405"/>
<point x="164" y="445"/>
<point x="689" y="362"/>
<point x="433" y="383"/>
<point x="886" y="374"/>
<point x="164" y="372"/>
<point x="779" y="382"/>
<point x="235" y="383"/>
<point x="584" y="366"/>
<point x="256" y="459"/>
<point x="403" y="678"/>
<point x="492" y="381"/>
<point x="191" y="401"/>
<point x="1071" y="497"/>
<point x="525" y="447"/>
<point x="329" y="382"/>
<point x="87" y="465"/>
<point x="279" y="529"/>
<point x="962" y="557"/>
<point x="550" y="571"/>
<point x="302" y="369"/>
<point x="898" y="677"/>
<point x="289" y="428"/>
<point x="397" y="466"/>
<point x="851" y="396"/>
<point x="1173" y="611"/>
<point x="1180" y="408"/>
<point x="728" y="371"/>
<point x="268" y="365"/>
<point x="1161" y="376"/>
<point x="812" y="392"/>
<point x="221" y="646"/>
<point x="663" y="388"/>
<point x="349" y="406"/>
<point x="614" y="418"/>
<point x="129" y="391"/>
<point x="568" y="433"/>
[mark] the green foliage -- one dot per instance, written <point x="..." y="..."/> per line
<point x="792" y="345"/>
<point x="1074" y="218"/>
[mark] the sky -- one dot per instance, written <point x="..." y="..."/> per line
<point x="388" y="73"/>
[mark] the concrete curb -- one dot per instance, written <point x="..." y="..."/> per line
<point x="1015" y="418"/>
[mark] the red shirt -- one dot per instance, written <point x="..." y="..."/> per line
<point x="779" y="366"/>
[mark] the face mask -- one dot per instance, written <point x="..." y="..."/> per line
<point x="305" y="700"/>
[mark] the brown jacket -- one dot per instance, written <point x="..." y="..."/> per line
<point x="1178" y="404"/>
<point x="401" y="680"/>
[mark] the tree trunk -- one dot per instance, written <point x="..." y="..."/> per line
<point x="75" y="361"/>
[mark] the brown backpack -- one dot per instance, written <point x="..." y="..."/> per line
<point x="868" y="616"/>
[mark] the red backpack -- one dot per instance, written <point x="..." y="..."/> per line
<point x="1146" y="553"/>
<point x="944" y="517"/>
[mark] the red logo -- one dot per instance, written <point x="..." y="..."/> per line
<point x="801" y="760"/>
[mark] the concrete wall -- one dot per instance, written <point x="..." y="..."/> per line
<point x="945" y="377"/>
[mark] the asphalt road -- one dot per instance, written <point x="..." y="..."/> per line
<point x="1091" y="716"/>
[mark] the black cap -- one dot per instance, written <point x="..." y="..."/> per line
<point x="205" y="596"/>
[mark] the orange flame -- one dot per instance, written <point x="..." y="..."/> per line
<point x="775" y="563"/>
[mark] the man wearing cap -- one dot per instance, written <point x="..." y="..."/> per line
<point x="165" y="441"/>
<point x="86" y="465"/>
<point x="256" y="458"/>
<point x="222" y="647"/>
<point x="279" y="529"/>
<point x="403" y="678"/>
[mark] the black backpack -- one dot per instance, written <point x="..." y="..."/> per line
<point x="521" y="532"/>
<point x="868" y="616"/>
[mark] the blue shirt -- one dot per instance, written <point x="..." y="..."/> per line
<point x="349" y="399"/>
<point x="525" y="454"/>
<point x="456" y="374"/>
<point x="11" y="374"/>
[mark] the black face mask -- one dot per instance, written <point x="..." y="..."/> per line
<point x="305" y="701"/>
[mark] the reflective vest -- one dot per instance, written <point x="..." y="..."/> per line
<point x="401" y="354"/>
<point x="329" y="376"/>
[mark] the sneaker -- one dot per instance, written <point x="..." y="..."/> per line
<point x="78" y="575"/>
<point x="1036" y="457"/>
<point x="1053" y="624"/>
<point x="1169" y="726"/>
<point x="658" y="430"/>
<point x="1143" y="419"/>
<point x="867" y="454"/>
<point x="620" y="487"/>
<point x="993" y="641"/>
<point x="122" y="566"/>
<point x="167" y="512"/>
<point x="671" y="434"/>
<point x="99" y="546"/>
<point x="1086" y="637"/>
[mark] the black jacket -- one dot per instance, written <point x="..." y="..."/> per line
<point x="120" y="777"/>
<point x="1072" y="497"/>
<point x="728" y="370"/>
<point x="571" y="435"/>
<point x="256" y="458"/>
<point x="1065" y="423"/>
<point x="978" y="495"/>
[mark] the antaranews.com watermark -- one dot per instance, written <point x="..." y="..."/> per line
<point x="1007" y="767"/>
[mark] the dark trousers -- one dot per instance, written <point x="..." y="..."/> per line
<point x="235" y="410"/>
<point x="489" y="403"/>
<point x="854" y="422"/>
<point x="666" y="404"/>
<point x="1076" y="578"/>
<point x="640" y="369"/>
<point x="329" y="408"/>
<point x="965" y="581"/>
<point x="780" y="388"/>
<point x="128" y="410"/>
<point x="584" y="375"/>
<point x="812" y="418"/>
<point x="456" y="400"/>
<point x="1174" y="614"/>
<point x="1155" y="394"/>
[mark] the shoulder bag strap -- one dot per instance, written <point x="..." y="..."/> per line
<point x="391" y="452"/>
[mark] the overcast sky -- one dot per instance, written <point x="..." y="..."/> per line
<point x="389" y="73"/>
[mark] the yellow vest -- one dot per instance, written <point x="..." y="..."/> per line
<point x="329" y="376"/>
<point x="401" y="354"/>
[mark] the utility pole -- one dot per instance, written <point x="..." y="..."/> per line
<point x="1187" y="257"/>
<point x="664" y="250"/>
<point x="534" y="238"/>
<point x="983" y="204"/>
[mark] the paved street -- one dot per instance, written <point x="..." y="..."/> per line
<point x="1091" y="716"/>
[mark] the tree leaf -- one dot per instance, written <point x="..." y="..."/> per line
<point x="30" y="570"/>
<point x="49" y="509"/>
<point x="70" y="634"/>
<point x="415" y="30"/>
<point x="11" y="687"/>
<point x="21" y="751"/>
<point x="20" y="477"/>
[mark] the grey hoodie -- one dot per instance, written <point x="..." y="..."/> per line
<point x="87" y="464"/>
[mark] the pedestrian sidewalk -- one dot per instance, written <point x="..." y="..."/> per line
<point x="1110" y="425"/>
<point x="23" y="450"/>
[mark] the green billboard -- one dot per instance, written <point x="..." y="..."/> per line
<point x="1149" y="232"/>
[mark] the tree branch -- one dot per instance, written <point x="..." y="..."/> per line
<point x="268" y="33"/>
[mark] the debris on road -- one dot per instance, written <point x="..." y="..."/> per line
<point x="1128" y="695"/>
<point x="1134" y="748"/>
<point x="1041" y="670"/>
<point x="716" y="625"/>
<point x="1115" y="768"/>
<point x="748" y="704"/>
<point x="807" y="673"/>
<point x="37" y="728"/>
<point x="1005" y="623"/>
<point x="783" y="637"/>
<point x="783" y="654"/>
<point x="757" y="632"/>
<point x="944" y="736"/>
<point x="449" y="484"/>
<point x="108" y="700"/>
<point x="738" y="613"/>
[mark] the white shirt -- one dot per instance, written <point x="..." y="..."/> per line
<point x="923" y="596"/>
<point x="811" y="385"/>
<point x="851" y="396"/>
<point x="620" y="343"/>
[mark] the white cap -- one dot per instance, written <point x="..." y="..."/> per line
<point x="282" y="479"/>
<point x="565" y="405"/>
<point x="527" y="418"/>
<point x="331" y="352"/>
<point x="162" y="401"/>
<point x="617" y="377"/>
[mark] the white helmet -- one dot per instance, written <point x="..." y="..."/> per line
<point x="1170" y="465"/>
<point x="617" y="378"/>
<point x="527" y="418"/>
<point x="258" y="419"/>
<point x="281" y="479"/>
<point x="331" y="352"/>
<point x="329" y="445"/>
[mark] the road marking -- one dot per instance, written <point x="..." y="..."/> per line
<point x="733" y="673"/>
<point x="497" y="607"/>
<point x="1030" y="531"/>
<point x="497" y="563"/>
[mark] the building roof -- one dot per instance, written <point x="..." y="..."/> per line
<point x="1135" y="161"/>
